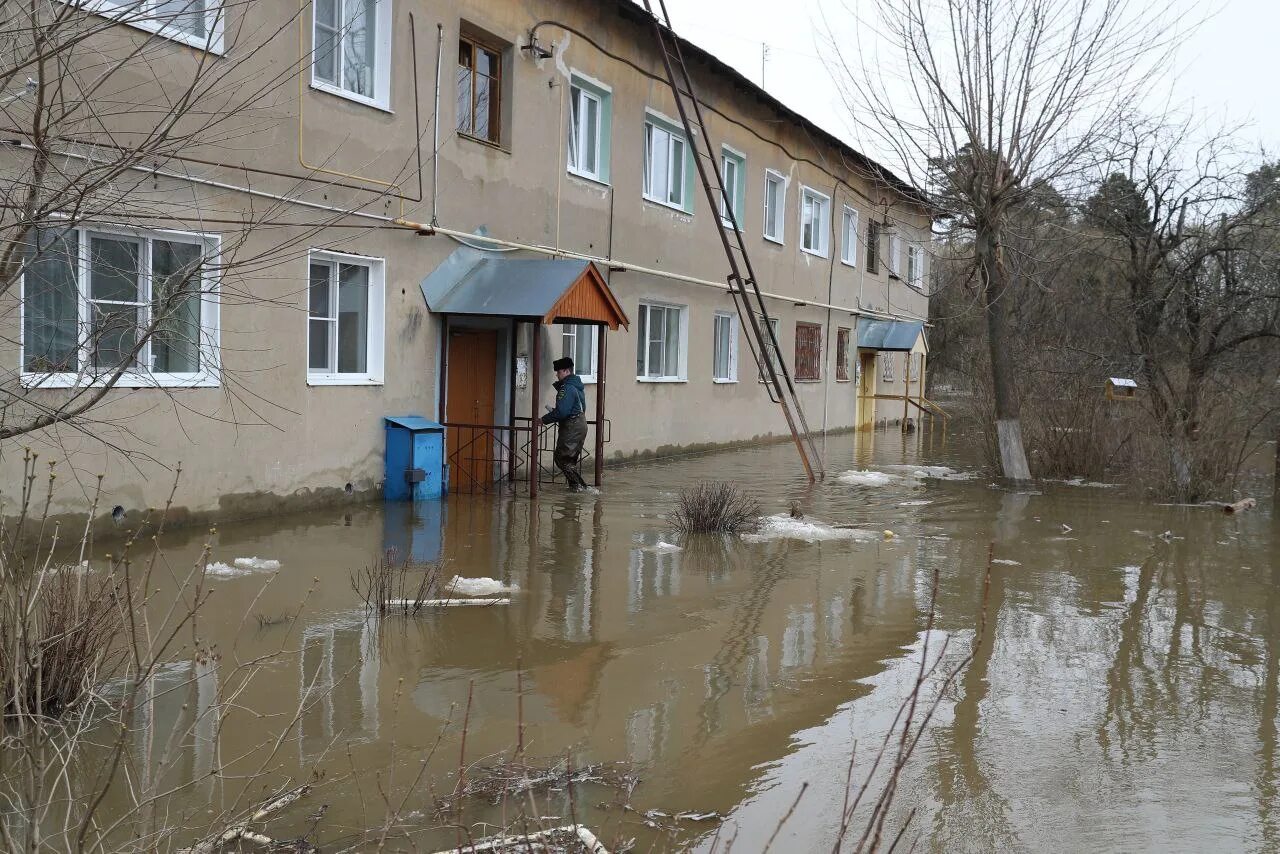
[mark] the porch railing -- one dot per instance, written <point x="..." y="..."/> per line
<point x="485" y="458"/>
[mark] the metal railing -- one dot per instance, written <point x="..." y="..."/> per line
<point x="486" y="458"/>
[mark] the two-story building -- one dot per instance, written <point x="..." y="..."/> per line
<point x="400" y="195"/>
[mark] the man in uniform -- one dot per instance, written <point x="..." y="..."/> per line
<point x="570" y="414"/>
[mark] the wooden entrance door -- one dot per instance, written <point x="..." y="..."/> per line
<point x="470" y="389"/>
<point x="866" y="409"/>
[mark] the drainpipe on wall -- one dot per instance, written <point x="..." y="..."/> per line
<point x="435" y="131"/>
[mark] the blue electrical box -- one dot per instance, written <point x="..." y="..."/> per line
<point x="415" y="459"/>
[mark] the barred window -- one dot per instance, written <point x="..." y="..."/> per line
<point x="808" y="351"/>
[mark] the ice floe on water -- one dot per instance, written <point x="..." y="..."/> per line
<point x="934" y="472"/>
<point x="218" y="569"/>
<point x="917" y="503"/>
<point x="1079" y="481"/>
<point x="460" y="586"/>
<point x="258" y="564"/>
<point x="865" y="478"/>
<point x="662" y="547"/>
<point x="786" y="527"/>
<point x="1005" y="561"/>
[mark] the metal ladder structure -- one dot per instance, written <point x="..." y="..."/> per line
<point x="747" y="298"/>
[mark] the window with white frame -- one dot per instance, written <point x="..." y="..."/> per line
<point x="775" y="203"/>
<point x="886" y="366"/>
<point x="198" y="23"/>
<point x="724" y="343"/>
<point x="732" y="166"/>
<point x="578" y="342"/>
<point x="589" y="119"/>
<point x="915" y="266"/>
<point x="770" y="351"/>
<point x="97" y="299"/>
<point x="664" y="164"/>
<point x="815" y="218"/>
<point x="352" y="49"/>
<point x="895" y="255"/>
<point x="344" y="319"/>
<point x="849" y="236"/>
<point x="660" y="347"/>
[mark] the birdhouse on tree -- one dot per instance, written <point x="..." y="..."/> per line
<point x="1121" y="388"/>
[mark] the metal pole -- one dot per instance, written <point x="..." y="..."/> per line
<point x="511" y="404"/>
<point x="906" y="389"/>
<point x="534" y="424"/>
<point x="601" y="364"/>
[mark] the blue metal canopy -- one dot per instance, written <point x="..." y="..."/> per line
<point x="892" y="335"/>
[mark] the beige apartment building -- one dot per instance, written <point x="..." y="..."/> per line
<point x="403" y="195"/>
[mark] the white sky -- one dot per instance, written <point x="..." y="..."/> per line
<point x="1225" y="71"/>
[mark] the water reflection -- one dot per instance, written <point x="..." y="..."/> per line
<point x="1123" y="694"/>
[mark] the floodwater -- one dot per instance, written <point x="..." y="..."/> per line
<point x="1123" y="696"/>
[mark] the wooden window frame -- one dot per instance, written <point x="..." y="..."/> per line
<point x="844" y="336"/>
<point x="495" y="87"/>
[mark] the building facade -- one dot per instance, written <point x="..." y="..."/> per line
<point x="368" y="138"/>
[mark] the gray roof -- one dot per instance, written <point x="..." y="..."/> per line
<point x="473" y="282"/>
<point x="898" y="335"/>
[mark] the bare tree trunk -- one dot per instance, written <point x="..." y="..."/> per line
<point x="1013" y="459"/>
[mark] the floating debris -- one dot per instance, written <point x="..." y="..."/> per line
<point x="415" y="604"/>
<point x="515" y="778"/>
<point x="661" y="547"/>
<point x="569" y="839"/>
<point x="1005" y="561"/>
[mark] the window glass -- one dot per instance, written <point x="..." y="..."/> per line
<point x="353" y="318"/>
<point x="774" y="202"/>
<point x="813" y="222"/>
<point x="842" y="353"/>
<point x="187" y="16"/>
<point x="849" y="237"/>
<point x="175" y="306"/>
<point x="664" y="166"/>
<point x="873" y="246"/>
<point x="658" y="342"/>
<point x="808" y="351"/>
<point x="50" y="302"/>
<point x="345" y="50"/>
<point x="722" y="367"/>
<point x="114" y="297"/>
<point x="320" y="322"/>
<point x="479" y="91"/>
<point x="731" y="172"/>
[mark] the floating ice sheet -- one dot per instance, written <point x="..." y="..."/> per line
<point x="865" y="477"/>
<point x="784" y="527"/>
<point x="258" y="564"/>
<point x="460" y="586"/>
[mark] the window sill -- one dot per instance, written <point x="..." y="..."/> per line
<point x="487" y="143"/>
<point x="778" y="240"/>
<point x="719" y="381"/>
<point x="343" y="379"/>
<point x="587" y="380"/>
<point x="808" y="379"/>
<point x="338" y="92"/>
<point x="661" y="379"/>
<point x="813" y="252"/>
<point x="845" y="380"/>
<point x="201" y="380"/>
<point x="594" y="179"/>
<point x="651" y="200"/>
<point x="852" y="265"/>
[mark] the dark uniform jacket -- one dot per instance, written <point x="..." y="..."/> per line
<point x="571" y="400"/>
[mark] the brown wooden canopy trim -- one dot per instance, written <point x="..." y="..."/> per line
<point x="588" y="300"/>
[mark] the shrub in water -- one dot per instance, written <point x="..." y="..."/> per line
<point x="719" y="508"/>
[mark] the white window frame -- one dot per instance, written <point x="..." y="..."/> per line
<point x="732" y="321"/>
<point x="589" y="88"/>
<point x="381" y="98"/>
<point x="737" y="191"/>
<point x="574" y="330"/>
<point x="895" y="252"/>
<point x="823" y="250"/>
<point x="682" y="347"/>
<point x="915" y="266"/>
<point x="374" y="333"/>
<point x="210" y="373"/>
<point x="657" y="121"/>
<point x="775" y="231"/>
<point x="849" y="236"/>
<point x="146" y="18"/>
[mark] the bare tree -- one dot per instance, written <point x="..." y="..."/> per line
<point x="991" y="101"/>
<point x="1191" y="235"/>
<point x="130" y="210"/>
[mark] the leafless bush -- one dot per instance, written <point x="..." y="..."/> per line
<point x="387" y="581"/>
<point x="715" y="508"/>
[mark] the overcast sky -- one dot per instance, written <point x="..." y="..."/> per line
<point x="1225" y="72"/>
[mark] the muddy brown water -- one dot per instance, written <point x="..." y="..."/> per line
<point x="1124" y="696"/>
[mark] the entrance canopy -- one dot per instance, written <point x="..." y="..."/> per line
<point x="545" y="290"/>
<point x="890" y="335"/>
